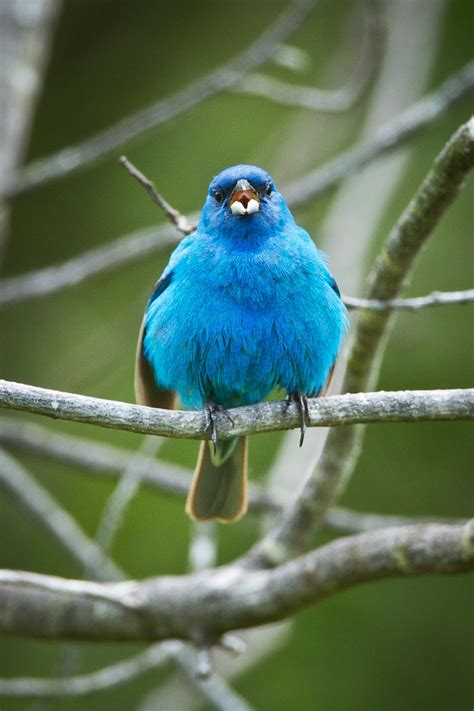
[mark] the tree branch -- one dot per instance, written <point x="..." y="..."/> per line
<point x="73" y="158"/>
<point x="154" y="657"/>
<point x="436" y="298"/>
<point x="403" y="406"/>
<point x="38" y="502"/>
<point x="139" y="244"/>
<point x="226" y="598"/>
<point x="389" y="136"/>
<point x="295" y="528"/>
<point x="169" y="479"/>
<point x="321" y="100"/>
<point x="181" y="222"/>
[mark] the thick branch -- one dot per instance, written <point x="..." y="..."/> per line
<point x="403" y="406"/>
<point x="390" y="274"/>
<point x="227" y="598"/>
<point x="103" y="143"/>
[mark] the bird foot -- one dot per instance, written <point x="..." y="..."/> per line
<point x="211" y="411"/>
<point x="302" y="405"/>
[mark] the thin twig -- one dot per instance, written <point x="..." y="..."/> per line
<point x="294" y="529"/>
<point x="181" y="222"/>
<point x="100" y="145"/>
<point x="436" y="298"/>
<point x="334" y="411"/>
<point x="227" y="598"/>
<point x="137" y="245"/>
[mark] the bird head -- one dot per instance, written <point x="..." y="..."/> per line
<point x="243" y="200"/>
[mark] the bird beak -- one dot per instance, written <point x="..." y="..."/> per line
<point x="244" y="199"/>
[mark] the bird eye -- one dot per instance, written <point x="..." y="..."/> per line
<point x="218" y="196"/>
<point x="268" y="189"/>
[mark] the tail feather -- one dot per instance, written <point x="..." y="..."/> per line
<point x="219" y="491"/>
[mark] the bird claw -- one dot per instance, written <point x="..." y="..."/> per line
<point x="211" y="410"/>
<point x="301" y="402"/>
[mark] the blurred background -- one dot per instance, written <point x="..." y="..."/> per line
<point x="385" y="646"/>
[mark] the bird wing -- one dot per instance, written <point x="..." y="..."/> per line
<point x="147" y="391"/>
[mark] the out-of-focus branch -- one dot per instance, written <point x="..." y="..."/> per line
<point x="26" y="30"/>
<point x="403" y="406"/>
<point x="108" y="461"/>
<point x="103" y="143"/>
<point x="226" y="598"/>
<point x="390" y="273"/>
<point x="38" y="502"/>
<point x="87" y="265"/>
<point x="321" y="100"/>
<point x="176" y="218"/>
<point x="154" y="657"/>
<point x="436" y="298"/>
<point x="139" y="244"/>
<point x="388" y="137"/>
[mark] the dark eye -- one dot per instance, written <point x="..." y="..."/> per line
<point x="268" y="189"/>
<point x="218" y="196"/>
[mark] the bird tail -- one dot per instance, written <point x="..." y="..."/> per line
<point x="219" y="486"/>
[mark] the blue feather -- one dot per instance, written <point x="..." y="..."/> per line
<point x="245" y="304"/>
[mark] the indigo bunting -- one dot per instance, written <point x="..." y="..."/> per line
<point x="246" y="304"/>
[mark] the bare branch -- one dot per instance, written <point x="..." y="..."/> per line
<point x="103" y="143"/>
<point x="389" y="136"/>
<point x="37" y="501"/>
<point x="226" y="598"/>
<point x="308" y="97"/>
<point x="349" y="521"/>
<point x="25" y="37"/>
<point x="154" y="657"/>
<point x="181" y="222"/>
<point x="91" y="263"/>
<point x="127" y="487"/>
<point x="436" y="298"/>
<point x="110" y="461"/>
<point x="403" y="406"/>
<point x="139" y="244"/>
<point x="392" y="269"/>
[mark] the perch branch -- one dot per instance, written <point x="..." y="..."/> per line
<point x="100" y="145"/>
<point x="226" y="598"/>
<point x="403" y="406"/>
<point x="390" y="273"/>
<point x="137" y="245"/>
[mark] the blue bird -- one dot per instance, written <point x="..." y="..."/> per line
<point x="246" y="304"/>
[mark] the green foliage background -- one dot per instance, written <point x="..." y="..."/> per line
<point x="401" y="644"/>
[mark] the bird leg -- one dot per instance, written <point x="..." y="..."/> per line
<point x="302" y="405"/>
<point x="211" y="411"/>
